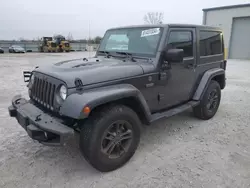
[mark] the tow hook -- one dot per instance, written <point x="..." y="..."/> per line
<point x="38" y="118"/>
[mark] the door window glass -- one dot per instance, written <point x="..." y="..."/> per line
<point x="181" y="40"/>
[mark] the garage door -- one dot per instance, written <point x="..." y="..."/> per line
<point x="240" y="41"/>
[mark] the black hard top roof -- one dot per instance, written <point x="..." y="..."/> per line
<point x="169" y="25"/>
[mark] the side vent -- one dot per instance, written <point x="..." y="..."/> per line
<point x="78" y="83"/>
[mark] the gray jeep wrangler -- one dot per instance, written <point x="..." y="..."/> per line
<point x="139" y="74"/>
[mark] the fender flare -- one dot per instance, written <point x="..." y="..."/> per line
<point x="74" y="104"/>
<point x="205" y="80"/>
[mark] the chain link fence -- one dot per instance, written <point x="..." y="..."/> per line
<point x="32" y="46"/>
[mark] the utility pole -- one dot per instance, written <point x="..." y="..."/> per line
<point x="89" y="40"/>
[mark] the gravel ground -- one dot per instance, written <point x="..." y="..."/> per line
<point x="178" y="152"/>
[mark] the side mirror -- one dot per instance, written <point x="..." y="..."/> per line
<point x="174" y="55"/>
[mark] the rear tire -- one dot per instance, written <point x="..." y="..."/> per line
<point x="209" y="103"/>
<point x="109" y="138"/>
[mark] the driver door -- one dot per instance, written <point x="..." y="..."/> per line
<point x="181" y="75"/>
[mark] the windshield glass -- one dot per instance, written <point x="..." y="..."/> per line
<point x="137" y="41"/>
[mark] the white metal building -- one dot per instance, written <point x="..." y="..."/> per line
<point x="235" y="23"/>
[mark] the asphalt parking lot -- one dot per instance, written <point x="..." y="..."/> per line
<point x="178" y="152"/>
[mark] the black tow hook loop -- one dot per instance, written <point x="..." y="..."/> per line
<point x="38" y="118"/>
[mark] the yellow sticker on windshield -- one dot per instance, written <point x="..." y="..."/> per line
<point x="149" y="32"/>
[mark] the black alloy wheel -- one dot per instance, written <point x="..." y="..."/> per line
<point x="117" y="139"/>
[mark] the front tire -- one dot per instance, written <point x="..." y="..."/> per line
<point x="210" y="102"/>
<point x="110" y="137"/>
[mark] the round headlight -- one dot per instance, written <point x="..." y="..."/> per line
<point x="63" y="92"/>
<point x="32" y="80"/>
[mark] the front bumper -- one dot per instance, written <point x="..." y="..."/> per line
<point x="39" y="125"/>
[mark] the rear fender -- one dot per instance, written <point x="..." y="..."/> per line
<point x="74" y="104"/>
<point x="205" y="80"/>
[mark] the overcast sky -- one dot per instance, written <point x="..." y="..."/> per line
<point x="32" y="18"/>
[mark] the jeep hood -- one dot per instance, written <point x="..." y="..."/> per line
<point x="93" y="70"/>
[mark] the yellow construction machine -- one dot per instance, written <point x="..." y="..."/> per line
<point x="62" y="45"/>
<point x="47" y="45"/>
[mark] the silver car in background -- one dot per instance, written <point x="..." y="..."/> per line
<point x="16" y="49"/>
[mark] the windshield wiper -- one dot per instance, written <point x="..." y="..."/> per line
<point x="106" y="53"/>
<point x="128" y="55"/>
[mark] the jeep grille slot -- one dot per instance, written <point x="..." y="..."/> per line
<point x="39" y="89"/>
<point x="33" y="91"/>
<point x="48" y="94"/>
<point x="43" y="92"/>
<point x="52" y="94"/>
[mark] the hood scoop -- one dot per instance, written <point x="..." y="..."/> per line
<point x="85" y="64"/>
<point x="75" y="63"/>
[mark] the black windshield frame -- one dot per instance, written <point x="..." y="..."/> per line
<point x="108" y="33"/>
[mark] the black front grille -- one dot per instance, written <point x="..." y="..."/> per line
<point x="43" y="92"/>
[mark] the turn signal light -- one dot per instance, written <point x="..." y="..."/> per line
<point x="86" y="110"/>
